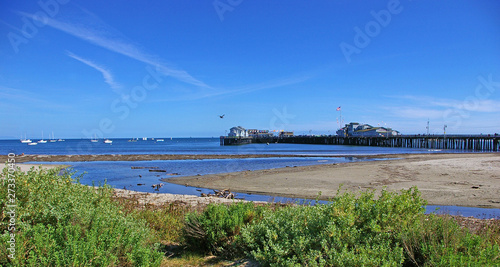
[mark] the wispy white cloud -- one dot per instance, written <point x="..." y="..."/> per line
<point x="106" y="74"/>
<point x="238" y="90"/>
<point x="92" y="29"/>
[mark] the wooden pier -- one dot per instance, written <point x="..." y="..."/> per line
<point x="455" y="142"/>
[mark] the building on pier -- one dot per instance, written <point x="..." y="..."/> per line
<point x="238" y="131"/>
<point x="355" y="129"/>
<point x="260" y="133"/>
<point x="284" y="134"/>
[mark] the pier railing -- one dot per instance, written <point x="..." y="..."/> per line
<point x="457" y="142"/>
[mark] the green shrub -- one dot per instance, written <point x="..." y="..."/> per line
<point x="349" y="231"/>
<point x="440" y="241"/>
<point x="63" y="223"/>
<point x="167" y="221"/>
<point x="216" y="229"/>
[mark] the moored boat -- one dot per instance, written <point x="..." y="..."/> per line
<point x="25" y="140"/>
<point x="52" y="140"/>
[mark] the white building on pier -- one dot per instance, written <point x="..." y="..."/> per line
<point x="355" y="129"/>
<point x="238" y="131"/>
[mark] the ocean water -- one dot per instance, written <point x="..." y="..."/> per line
<point x="121" y="175"/>
<point x="190" y="146"/>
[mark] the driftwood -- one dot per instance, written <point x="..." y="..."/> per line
<point x="140" y="167"/>
<point x="156" y="170"/>
<point x="224" y="193"/>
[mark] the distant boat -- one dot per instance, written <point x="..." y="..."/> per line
<point x="32" y="144"/>
<point x="25" y="140"/>
<point x="107" y="141"/>
<point x="60" y="140"/>
<point x="94" y="140"/>
<point x="42" y="141"/>
<point x="53" y="140"/>
<point x="159" y="140"/>
<point x="144" y="139"/>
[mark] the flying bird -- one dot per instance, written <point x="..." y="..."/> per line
<point x="222" y="116"/>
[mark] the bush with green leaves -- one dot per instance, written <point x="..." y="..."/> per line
<point x="63" y="223"/>
<point x="440" y="241"/>
<point x="348" y="231"/>
<point x="216" y="229"/>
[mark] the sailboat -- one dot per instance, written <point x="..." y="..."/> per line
<point x="107" y="141"/>
<point x="94" y="140"/>
<point x="42" y="141"/>
<point x="53" y="140"/>
<point x="25" y="140"/>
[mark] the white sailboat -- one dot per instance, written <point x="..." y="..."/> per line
<point x="94" y="140"/>
<point x="107" y="141"/>
<point x="42" y="141"/>
<point x="53" y="140"/>
<point x="25" y="140"/>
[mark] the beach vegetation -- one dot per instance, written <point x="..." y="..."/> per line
<point x="351" y="230"/>
<point x="217" y="228"/>
<point x="59" y="222"/>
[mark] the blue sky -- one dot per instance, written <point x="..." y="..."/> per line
<point x="170" y="68"/>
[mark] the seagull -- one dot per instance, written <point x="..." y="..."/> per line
<point x="222" y="116"/>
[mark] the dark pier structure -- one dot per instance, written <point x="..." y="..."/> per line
<point x="457" y="142"/>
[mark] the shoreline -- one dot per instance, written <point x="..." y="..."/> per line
<point x="449" y="179"/>
<point x="467" y="180"/>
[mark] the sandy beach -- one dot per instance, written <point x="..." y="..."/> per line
<point x="444" y="179"/>
<point x="471" y="179"/>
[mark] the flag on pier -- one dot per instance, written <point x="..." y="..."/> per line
<point x="338" y="109"/>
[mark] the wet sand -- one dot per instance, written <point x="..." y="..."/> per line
<point x="26" y="167"/>
<point x="471" y="180"/>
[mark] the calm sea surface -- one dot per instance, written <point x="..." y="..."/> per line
<point x="121" y="175"/>
<point x="189" y="146"/>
